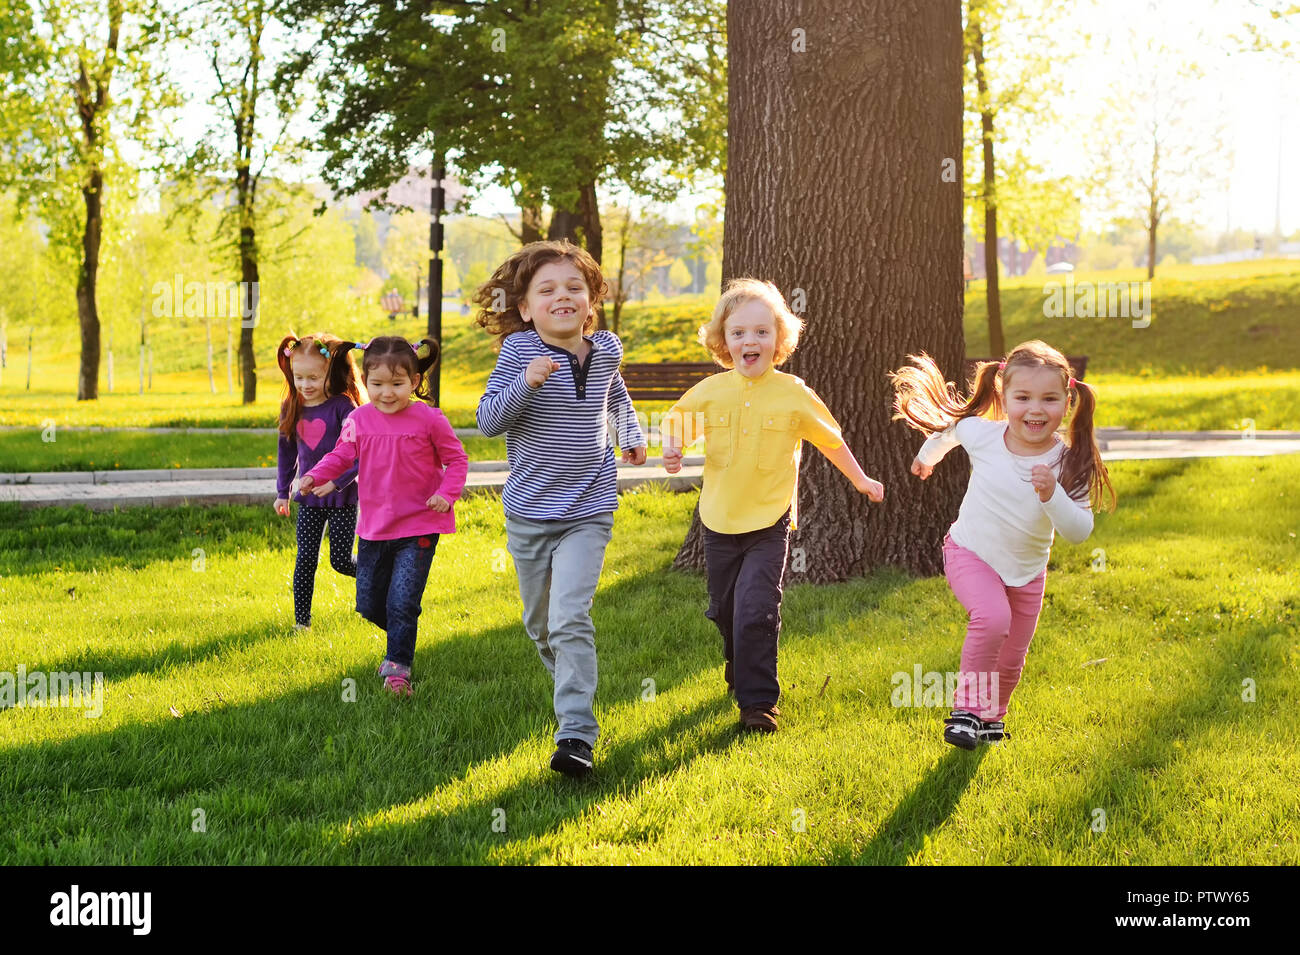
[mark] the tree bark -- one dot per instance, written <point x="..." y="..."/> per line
<point x="835" y="192"/>
<point x="993" y="298"/>
<point x="92" y="99"/>
<point x="530" y="224"/>
<point x="87" y="282"/>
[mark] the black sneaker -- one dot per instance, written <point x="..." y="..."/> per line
<point x="962" y="729"/>
<point x="993" y="732"/>
<point x="572" y="757"/>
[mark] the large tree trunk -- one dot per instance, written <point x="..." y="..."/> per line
<point x="836" y="187"/>
<point x="87" y="280"/>
<point x="997" y="344"/>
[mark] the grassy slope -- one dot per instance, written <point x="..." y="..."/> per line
<point x="1193" y="600"/>
<point x="1223" y="347"/>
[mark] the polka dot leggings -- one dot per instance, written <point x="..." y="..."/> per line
<point x="311" y="526"/>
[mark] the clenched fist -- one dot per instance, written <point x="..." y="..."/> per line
<point x="539" y="369"/>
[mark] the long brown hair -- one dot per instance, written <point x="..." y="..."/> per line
<point x="394" y="352"/>
<point x="927" y="402"/>
<point x="498" y="299"/>
<point x="340" y="373"/>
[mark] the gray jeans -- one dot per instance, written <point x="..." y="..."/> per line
<point x="558" y="563"/>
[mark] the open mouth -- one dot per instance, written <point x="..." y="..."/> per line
<point x="1035" y="427"/>
<point x="749" y="357"/>
<point x="563" y="311"/>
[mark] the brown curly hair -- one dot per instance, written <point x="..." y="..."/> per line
<point x="498" y="299"/>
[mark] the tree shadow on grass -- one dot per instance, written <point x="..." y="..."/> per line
<point x="273" y="774"/>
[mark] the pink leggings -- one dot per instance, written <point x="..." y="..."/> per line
<point x="1002" y="622"/>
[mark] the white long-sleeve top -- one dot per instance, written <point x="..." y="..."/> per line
<point x="1002" y="520"/>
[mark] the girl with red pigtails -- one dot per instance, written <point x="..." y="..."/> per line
<point x="320" y="392"/>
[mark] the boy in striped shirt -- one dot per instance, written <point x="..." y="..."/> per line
<point x="555" y="392"/>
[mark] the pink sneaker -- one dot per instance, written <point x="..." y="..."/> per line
<point x="397" y="678"/>
<point x="398" y="685"/>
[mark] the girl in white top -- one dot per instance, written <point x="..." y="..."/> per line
<point x="1026" y="484"/>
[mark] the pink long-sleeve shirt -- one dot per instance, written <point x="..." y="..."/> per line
<point x="405" y="458"/>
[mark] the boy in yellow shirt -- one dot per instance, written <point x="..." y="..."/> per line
<point x="754" y="419"/>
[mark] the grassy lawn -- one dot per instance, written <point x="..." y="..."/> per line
<point x="1131" y="701"/>
<point x="24" y="450"/>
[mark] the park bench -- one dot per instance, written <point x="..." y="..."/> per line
<point x="665" y="381"/>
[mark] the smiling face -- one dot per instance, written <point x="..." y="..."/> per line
<point x="1035" y="402"/>
<point x="390" y="388"/>
<point x="750" y="334"/>
<point x="558" y="302"/>
<point x="309" y="370"/>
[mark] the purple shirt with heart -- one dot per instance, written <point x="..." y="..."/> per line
<point x="317" y="433"/>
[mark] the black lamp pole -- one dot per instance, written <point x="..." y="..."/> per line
<point x="436" y="206"/>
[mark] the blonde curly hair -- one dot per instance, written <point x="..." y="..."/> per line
<point x="736" y="293"/>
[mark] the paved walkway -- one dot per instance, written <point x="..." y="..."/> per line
<point x="105" y="490"/>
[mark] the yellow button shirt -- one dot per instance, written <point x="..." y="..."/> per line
<point x="753" y="432"/>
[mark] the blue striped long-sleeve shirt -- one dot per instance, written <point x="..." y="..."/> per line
<point x="558" y="435"/>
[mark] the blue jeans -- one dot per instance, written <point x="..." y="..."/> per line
<point x="391" y="576"/>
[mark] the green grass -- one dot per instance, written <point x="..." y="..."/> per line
<point x="26" y="450"/>
<point x="213" y="702"/>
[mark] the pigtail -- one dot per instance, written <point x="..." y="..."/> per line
<point x="924" y="400"/>
<point x="427" y="354"/>
<point x="343" y="375"/>
<point x="291" y="405"/>
<point x="1082" y="471"/>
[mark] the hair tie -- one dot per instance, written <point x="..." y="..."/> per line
<point x="1073" y="383"/>
<point x="1002" y="366"/>
<point x="288" y="349"/>
<point x="415" y="348"/>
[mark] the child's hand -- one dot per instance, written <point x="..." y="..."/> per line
<point x="672" y="460"/>
<point x="305" y="484"/>
<point x="635" y="456"/>
<point x="325" y="488"/>
<point x="282" y="506"/>
<point x="874" y="490"/>
<point x="438" y="503"/>
<point x="539" y="369"/>
<point x="922" y="471"/>
<point x="1044" y="482"/>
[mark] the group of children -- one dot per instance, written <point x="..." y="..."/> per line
<point x="555" y="393"/>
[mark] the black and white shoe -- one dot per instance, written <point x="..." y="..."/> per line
<point x="993" y="733"/>
<point x="572" y="757"/>
<point x="962" y="729"/>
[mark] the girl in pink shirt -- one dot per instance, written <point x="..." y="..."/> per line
<point x="412" y="468"/>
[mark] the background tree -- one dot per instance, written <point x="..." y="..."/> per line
<point x="845" y="205"/>
<point x="1013" y="74"/>
<point x="75" y="81"/>
<point x="1158" y="143"/>
<point x="260" y="70"/>
<point x="545" y="100"/>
